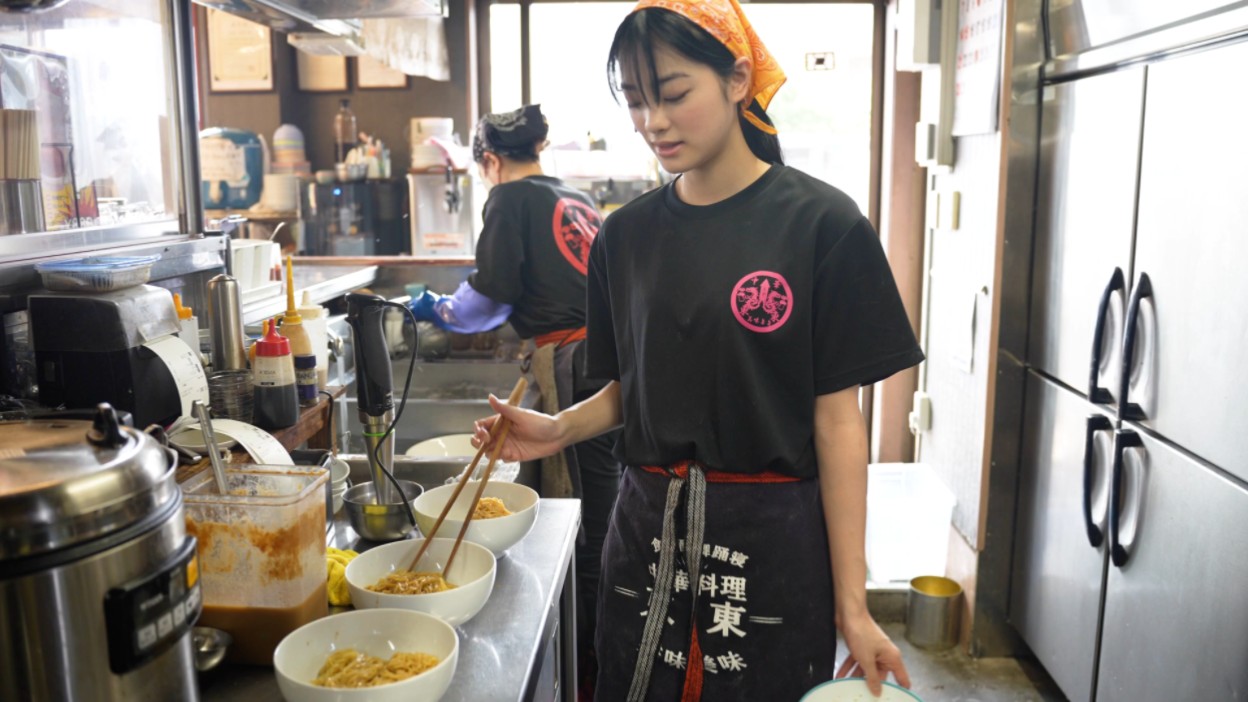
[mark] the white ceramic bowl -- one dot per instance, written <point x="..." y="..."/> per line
<point x="472" y="574"/>
<point x="451" y="445"/>
<point x="856" y="690"/>
<point x="377" y="632"/>
<point x="498" y="534"/>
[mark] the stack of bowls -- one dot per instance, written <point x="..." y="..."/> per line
<point x="339" y="481"/>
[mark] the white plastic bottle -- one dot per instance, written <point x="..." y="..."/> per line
<point x="316" y="322"/>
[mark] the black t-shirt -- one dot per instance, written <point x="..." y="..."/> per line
<point x="533" y="253"/>
<point x="722" y="323"/>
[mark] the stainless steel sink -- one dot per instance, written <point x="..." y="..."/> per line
<point x="429" y="472"/>
<point x="457" y="379"/>
<point x="446" y="397"/>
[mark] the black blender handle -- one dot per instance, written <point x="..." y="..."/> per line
<point x="1096" y="393"/>
<point x="374" y="381"/>
<point x="1096" y="422"/>
<point x="1128" y="410"/>
<point x="1124" y="440"/>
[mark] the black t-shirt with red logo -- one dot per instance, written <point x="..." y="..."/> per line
<point x="724" y="322"/>
<point x="533" y="253"/>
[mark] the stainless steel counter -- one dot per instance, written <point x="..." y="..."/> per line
<point x="320" y="281"/>
<point x="504" y="650"/>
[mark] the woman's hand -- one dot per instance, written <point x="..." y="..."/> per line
<point x="871" y="654"/>
<point x="533" y="434"/>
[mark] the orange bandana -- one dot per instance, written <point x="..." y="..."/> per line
<point x="725" y="20"/>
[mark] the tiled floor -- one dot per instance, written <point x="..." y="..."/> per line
<point x="952" y="676"/>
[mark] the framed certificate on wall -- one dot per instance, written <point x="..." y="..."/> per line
<point x="321" y="74"/>
<point x="371" y="73"/>
<point x="240" y="54"/>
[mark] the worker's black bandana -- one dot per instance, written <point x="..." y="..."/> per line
<point x="514" y="135"/>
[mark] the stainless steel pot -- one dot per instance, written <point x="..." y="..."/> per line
<point x="99" y="583"/>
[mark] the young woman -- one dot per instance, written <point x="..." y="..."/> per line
<point x="532" y="258"/>
<point x="736" y="311"/>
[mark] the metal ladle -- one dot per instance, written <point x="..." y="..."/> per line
<point x="210" y="442"/>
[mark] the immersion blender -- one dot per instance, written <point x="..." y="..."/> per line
<point x="374" y="385"/>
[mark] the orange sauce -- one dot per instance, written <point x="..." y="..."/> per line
<point x="258" y="630"/>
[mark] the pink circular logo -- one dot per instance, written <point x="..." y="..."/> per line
<point x="762" y="301"/>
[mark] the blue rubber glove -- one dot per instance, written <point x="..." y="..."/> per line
<point x="465" y="312"/>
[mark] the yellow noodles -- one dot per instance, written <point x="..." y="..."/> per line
<point x="402" y="582"/>
<point x="489" y="508"/>
<point x="350" y="668"/>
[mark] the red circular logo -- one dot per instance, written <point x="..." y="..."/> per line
<point x="575" y="226"/>
<point x="762" y="301"/>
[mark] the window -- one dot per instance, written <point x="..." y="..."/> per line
<point x="105" y="149"/>
<point x="823" y="112"/>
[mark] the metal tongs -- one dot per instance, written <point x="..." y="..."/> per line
<point x="210" y="443"/>
<point x="503" y="426"/>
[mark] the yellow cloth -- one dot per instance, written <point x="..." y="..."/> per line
<point x="336" y="560"/>
<point x="726" y="21"/>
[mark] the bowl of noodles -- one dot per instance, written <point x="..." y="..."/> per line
<point x="504" y="517"/>
<point x="379" y="655"/>
<point x="378" y="578"/>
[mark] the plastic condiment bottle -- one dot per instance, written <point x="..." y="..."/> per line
<point x="273" y="379"/>
<point x="190" y="325"/>
<point x="300" y="344"/>
<point x="316" y="321"/>
<point x="345" y="134"/>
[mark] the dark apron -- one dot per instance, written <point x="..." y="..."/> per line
<point x="587" y="471"/>
<point x="765" y="627"/>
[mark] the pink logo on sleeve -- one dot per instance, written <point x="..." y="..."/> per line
<point x="762" y="301"/>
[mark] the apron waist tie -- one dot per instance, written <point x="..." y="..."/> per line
<point x="681" y="470"/>
<point x="561" y="337"/>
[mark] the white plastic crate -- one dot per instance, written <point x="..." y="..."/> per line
<point x="908" y="514"/>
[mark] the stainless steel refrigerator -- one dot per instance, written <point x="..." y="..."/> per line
<point x="1130" y="562"/>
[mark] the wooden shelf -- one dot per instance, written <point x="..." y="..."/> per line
<point x="313" y="428"/>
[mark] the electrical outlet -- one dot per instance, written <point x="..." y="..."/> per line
<point x="821" y="61"/>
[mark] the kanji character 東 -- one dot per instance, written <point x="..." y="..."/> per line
<point x="727" y="617"/>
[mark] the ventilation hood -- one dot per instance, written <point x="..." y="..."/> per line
<point x="337" y="17"/>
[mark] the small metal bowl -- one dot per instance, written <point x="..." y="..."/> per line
<point x="381" y="522"/>
<point x="210" y="646"/>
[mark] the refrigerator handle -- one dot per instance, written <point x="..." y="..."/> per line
<point x="1124" y="440"/>
<point x="1096" y="422"/>
<point x="1128" y="410"/>
<point x="1096" y="393"/>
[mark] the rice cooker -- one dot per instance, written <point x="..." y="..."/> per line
<point x="99" y="582"/>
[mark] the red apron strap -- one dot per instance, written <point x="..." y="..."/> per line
<point x="693" y="671"/>
<point x="681" y="470"/>
<point x="561" y="337"/>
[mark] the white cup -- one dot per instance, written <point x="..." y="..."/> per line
<point x="281" y="192"/>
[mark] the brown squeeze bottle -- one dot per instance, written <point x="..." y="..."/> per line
<point x="273" y="379"/>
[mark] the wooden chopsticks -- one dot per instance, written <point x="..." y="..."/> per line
<point x="19" y="145"/>
<point x="517" y="393"/>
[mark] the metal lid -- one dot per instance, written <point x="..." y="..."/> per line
<point x="66" y="482"/>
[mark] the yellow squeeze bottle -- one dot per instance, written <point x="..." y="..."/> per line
<point x="300" y="344"/>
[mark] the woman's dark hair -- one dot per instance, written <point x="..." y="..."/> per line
<point x="632" y="53"/>
<point x="519" y="135"/>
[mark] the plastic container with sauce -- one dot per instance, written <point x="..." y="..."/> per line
<point x="261" y="553"/>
